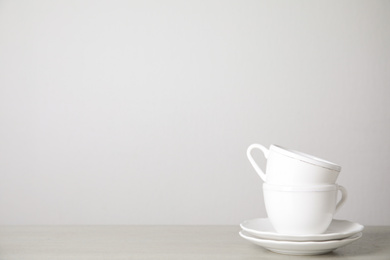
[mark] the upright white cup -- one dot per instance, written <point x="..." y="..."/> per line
<point x="302" y="210"/>
<point x="289" y="167"/>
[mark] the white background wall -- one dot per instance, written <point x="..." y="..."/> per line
<point x="140" y="112"/>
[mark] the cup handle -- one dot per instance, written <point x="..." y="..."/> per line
<point x="344" y="196"/>
<point x="252" y="161"/>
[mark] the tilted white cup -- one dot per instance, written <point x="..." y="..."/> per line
<point x="289" y="167"/>
<point x="302" y="210"/>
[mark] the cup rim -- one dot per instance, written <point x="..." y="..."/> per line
<point x="305" y="157"/>
<point x="305" y="188"/>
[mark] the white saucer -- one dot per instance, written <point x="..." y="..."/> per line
<point x="300" y="248"/>
<point x="338" y="229"/>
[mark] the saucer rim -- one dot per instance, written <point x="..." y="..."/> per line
<point x="312" y="237"/>
<point x="300" y="247"/>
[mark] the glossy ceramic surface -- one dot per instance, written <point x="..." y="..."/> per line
<point x="338" y="229"/>
<point x="288" y="167"/>
<point x="306" y="210"/>
<point x="300" y="248"/>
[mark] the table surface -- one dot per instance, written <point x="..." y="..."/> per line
<point x="162" y="242"/>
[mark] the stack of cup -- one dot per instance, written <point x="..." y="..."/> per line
<point x="300" y="190"/>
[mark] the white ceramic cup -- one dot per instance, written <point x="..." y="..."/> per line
<point x="302" y="210"/>
<point x="289" y="167"/>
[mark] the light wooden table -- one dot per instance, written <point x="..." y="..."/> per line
<point x="162" y="242"/>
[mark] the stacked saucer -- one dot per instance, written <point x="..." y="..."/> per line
<point x="301" y="197"/>
<point x="339" y="233"/>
